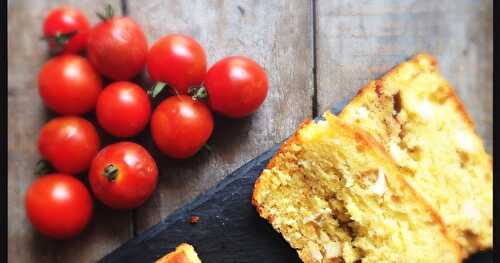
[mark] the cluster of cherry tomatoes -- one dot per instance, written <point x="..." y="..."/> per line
<point x="123" y="175"/>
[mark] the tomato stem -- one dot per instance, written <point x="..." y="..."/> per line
<point x="198" y="93"/>
<point x="63" y="38"/>
<point x="109" y="12"/>
<point x="43" y="167"/>
<point x="60" y="39"/>
<point x="157" y="89"/>
<point x="111" y="172"/>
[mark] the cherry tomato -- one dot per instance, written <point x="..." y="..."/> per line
<point x="123" y="109"/>
<point x="69" y="85"/>
<point x="69" y="144"/>
<point x="236" y="86"/>
<point x="58" y="205"/>
<point x="177" y="60"/>
<point x="117" y="47"/>
<point x="66" y="30"/>
<point x="123" y="175"/>
<point x="180" y="126"/>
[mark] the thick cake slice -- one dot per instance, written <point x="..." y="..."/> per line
<point x="184" y="253"/>
<point x="414" y="113"/>
<point x="336" y="196"/>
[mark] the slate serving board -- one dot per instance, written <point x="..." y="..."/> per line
<point x="229" y="229"/>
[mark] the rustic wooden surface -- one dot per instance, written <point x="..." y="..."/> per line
<point x="346" y="43"/>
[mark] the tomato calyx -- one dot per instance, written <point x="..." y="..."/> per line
<point x="43" y="167"/>
<point x="110" y="172"/>
<point x="109" y="13"/>
<point x="60" y="39"/>
<point x="198" y="93"/>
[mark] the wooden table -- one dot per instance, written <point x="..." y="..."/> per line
<point x="315" y="52"/>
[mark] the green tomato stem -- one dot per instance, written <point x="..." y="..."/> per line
<point x="157" y="89"/>
<point x="109" y="12"/>
<point x="198" y="93"/>
<point x="60" y="39"/>
<point x="110" y="172"/>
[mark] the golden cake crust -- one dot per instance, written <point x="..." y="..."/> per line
<point x="426" y="61"/>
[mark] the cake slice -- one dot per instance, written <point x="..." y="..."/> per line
<point x="336" y="196"/>
<point x="414" y="113"/>
<point x="184" y="253"/>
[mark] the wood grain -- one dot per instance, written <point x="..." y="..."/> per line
<point x="26" y="114"/>
<point x="277" y="34"/>
<point x="358" y="41"/>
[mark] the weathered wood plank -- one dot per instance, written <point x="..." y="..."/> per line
<point x="26" y="114"/>
<point x="358" y="41"/>
<point x="278" y="35"/>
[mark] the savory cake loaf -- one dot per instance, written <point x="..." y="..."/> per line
<point x="414" y="113"/>
<point x="336" y="196"/>
<point x="184" y="253"/>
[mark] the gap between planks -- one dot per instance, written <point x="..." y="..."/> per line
<point x="315" y="65"/>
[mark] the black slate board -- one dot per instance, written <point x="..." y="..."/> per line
<point x="229" y="230"/>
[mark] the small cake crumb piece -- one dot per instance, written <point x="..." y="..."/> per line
<point x="332" y="250"/>
<point x="380" y="186"/>
<point x="315" y="252"/>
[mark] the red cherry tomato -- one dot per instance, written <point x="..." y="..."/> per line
<point x="69" y="144"/>
<point x="236" y="86"/>
<point x="180" y="126"/>
<point x="66" y="30"/>
<point x="177" y="60"/>
<point x="69" y="85"/>
<point x="58" y="205"/>
<point x="117" y="47"/>
<point x="123" y="109"/>
<point x="123" y="175"/>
